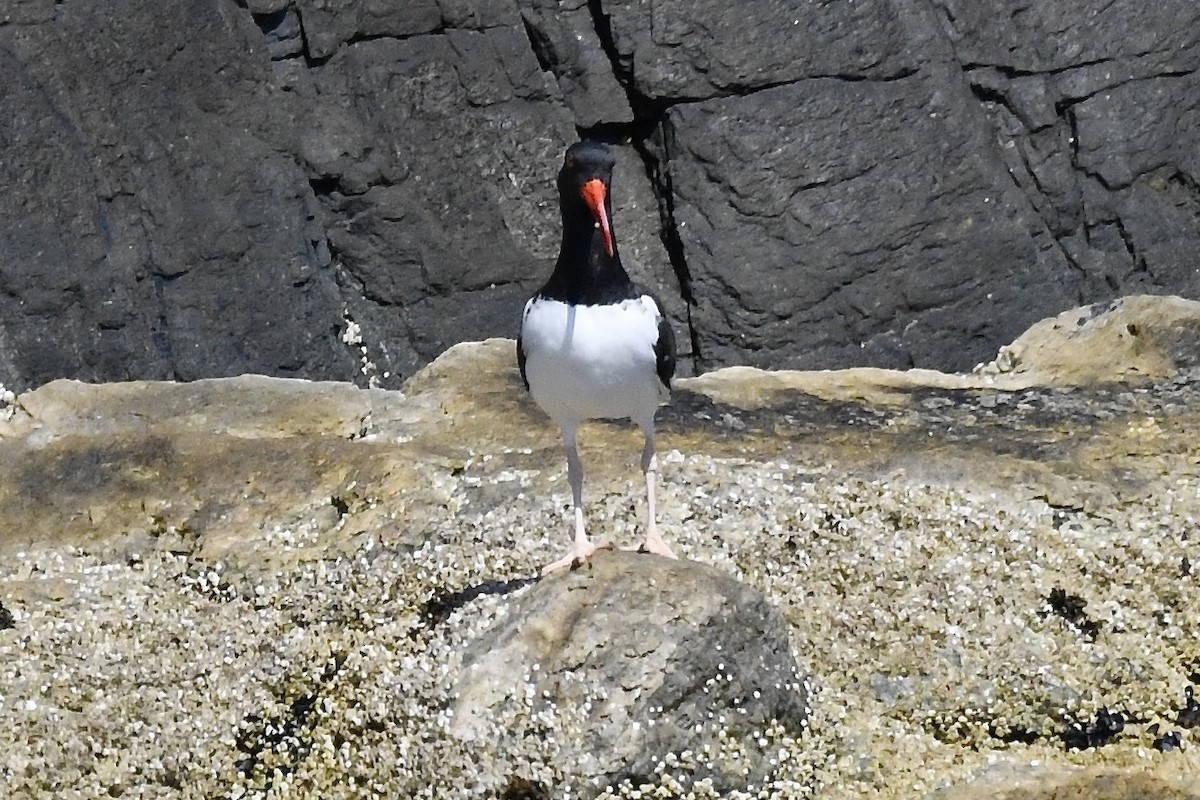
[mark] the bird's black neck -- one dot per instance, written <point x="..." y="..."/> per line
<point x="585" y="273"/>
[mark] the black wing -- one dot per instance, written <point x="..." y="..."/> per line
<point x="664" y="346"/>
<point x="521" y="362"/>
<point x="521" y="344"/>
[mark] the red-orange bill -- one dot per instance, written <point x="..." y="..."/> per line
<point x="594" y="193"/>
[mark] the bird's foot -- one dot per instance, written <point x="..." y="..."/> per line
<point x="580" y="552"/>
<point x="653" y="544"/>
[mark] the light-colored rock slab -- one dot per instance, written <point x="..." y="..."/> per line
<point x="249" y="586"/>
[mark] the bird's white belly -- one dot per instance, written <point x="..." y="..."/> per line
<point x="592" y="362"/>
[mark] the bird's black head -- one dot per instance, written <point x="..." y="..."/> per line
<point x="583" y="187"/>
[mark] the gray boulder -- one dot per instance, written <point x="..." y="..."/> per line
<point x="648" y="664"/>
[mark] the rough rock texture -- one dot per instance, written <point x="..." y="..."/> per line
<point x="154" y="224"/>
<point x="658" y="656"/>
<point x="343" y="189"/>
<point x="259" y="588"/>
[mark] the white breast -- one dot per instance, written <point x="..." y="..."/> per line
<point x="592" y="362"/>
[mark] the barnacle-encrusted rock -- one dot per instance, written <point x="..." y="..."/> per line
<point x="185" y="467"/>
<point x="259" y="588"/>
<point x="643" y="659"/>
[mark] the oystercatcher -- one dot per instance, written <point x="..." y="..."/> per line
<point x="593" y="344"/>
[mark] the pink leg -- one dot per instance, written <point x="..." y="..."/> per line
<point x="581" y="548"/>
<point x="652" y="542"/>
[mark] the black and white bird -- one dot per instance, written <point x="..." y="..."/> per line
<point x="593" y="344"/>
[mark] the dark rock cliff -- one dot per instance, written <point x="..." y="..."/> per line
<point x="343" y="189"/>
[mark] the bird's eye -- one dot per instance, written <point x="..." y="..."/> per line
<point x="569" y="161"/>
